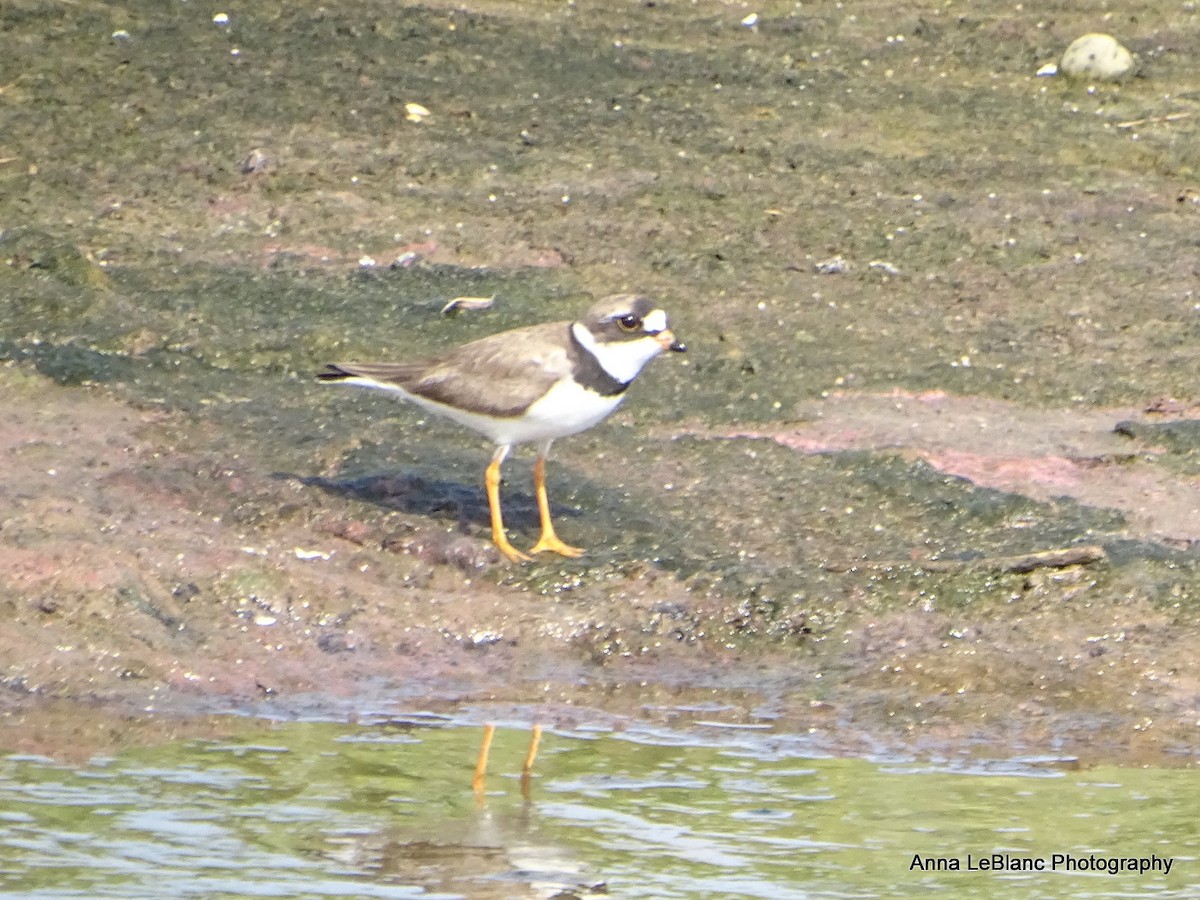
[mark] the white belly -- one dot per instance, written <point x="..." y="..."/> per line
<point x="566" y="409"/>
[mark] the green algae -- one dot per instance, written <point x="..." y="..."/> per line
<point x="775" y="119"/>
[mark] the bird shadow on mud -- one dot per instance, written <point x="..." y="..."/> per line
<point x="433" y="498"/>
<point x="468" y="547"/>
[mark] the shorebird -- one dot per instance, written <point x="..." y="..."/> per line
<point x="530" y="385"/>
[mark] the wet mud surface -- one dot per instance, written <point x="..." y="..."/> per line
<point x="811" y="520"/>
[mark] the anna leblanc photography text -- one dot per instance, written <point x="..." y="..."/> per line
<point x="1056" y="862"/>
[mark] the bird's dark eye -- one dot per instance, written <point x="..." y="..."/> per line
<point x="629" y="322"/>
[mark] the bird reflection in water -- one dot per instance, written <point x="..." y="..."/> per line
<point x="479" y="781"/>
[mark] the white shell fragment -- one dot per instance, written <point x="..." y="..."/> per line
<point x="221" y="19"/>
<point x="836" y="265"/>
<point x="415" y="112"/>
<point x="468" y="303"/>
<point x="1047" y="70"/>
<point x="751" y="20"/>
<point x="301" y="553"/>
<point x="1098" y="56"/>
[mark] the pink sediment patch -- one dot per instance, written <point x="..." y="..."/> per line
<point x="1010" y="473"/>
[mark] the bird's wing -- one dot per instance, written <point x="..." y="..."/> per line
<point x="500" y="375"/>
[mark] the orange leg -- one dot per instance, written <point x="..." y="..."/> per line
<point x="491" y="480"/>
<point x="535" y="738"/>
<point x="478" y="782"/>
<point x="549" y="540"/>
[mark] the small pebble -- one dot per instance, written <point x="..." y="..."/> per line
<point x="255" y="163"/>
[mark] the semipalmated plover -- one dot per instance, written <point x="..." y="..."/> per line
<point x="530" y="385"/>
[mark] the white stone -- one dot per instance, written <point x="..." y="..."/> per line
<point x="1098" y="56"/>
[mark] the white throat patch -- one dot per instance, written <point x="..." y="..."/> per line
<point x="620" y="359"/>
<point x="655" y="322"/>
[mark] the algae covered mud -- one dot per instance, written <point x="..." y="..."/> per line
<point x="925" y="480"/>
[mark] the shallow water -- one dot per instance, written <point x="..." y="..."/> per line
<point x="386" y="809"/>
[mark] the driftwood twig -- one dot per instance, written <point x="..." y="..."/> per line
<point x="1169" y="117"/>
<point x="1021" y="564"/>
